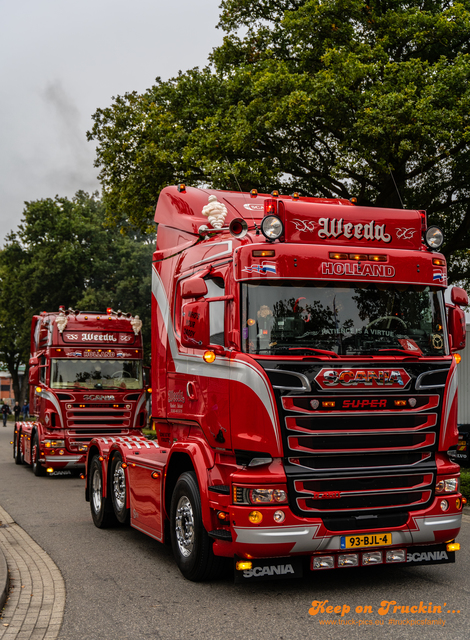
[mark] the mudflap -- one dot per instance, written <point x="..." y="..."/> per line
<point x="269" y="569"/>
<point x="436" y="554"/>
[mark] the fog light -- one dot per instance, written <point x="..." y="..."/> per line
<point x="396" y="555"/>
<point x="348" y="560"/>
<point x="444" y="505"/>
<point x="61" y="452"/>
<point x="255" y="517"/>
<point x="279" y="516"/>
<point x="323" y="562"/>
<point x="372" y="557"/>
<point x="453" y="546"/>
<point x="243" y="565"/>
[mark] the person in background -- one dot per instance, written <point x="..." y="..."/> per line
<point x="17" y="411"/>
<point x="5" y="412"/>
<point x="25" y="410"/>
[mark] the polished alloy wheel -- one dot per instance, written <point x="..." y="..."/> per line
<point x="184" y="526"/>
<point x="119" y="486"/>
<point x="96" y="492"/>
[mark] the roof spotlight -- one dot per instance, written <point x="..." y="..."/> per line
<point x="272" y="227"/>
<point x="434" y="238"/>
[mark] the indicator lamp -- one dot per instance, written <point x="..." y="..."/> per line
<point x="255" y="517"/>
<point x="457" y="358"/>
<point x="244" y="565"/>
<point x="209" y="356"/>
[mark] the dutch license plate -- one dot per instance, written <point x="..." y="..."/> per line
<point x="369" y="540"/>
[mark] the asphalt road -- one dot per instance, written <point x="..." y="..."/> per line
<point x="123" y="584"/>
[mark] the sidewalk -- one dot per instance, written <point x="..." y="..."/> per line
<point x="34" y="606"/>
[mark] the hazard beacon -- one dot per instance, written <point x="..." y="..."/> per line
<point x="86" y="379"/>
<point x="304" y="390"/>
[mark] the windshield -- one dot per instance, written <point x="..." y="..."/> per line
<point x="96" y="374"/>
<point x="350" y="319"/>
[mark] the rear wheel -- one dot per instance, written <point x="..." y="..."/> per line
<point x="17" y="452"/>
<point x="191" y="545"/>
<point x="101" y="508"/>
<point x="118" y="489"/>
<point x="38" y="469"/>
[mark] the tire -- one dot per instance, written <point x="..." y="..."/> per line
<point x="118" y="489"/>
<point x="191" y="545"/>
<point x="101" y="508"/>
<point x="38" y="469"/>
<point x="17" y="452"/>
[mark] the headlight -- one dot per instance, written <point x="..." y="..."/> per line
<point x="244" y="495"/>
<point x="54" y="443"/>
<point x="272" y="227"/>
<point x="434" y="237"/>
<point x="447" y="485"/>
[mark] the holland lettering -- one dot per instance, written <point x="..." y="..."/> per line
<point x="334" y="227"/>
<point x="357" y="269"/>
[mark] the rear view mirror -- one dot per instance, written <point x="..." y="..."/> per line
<point x="195" y="324"/>
<point x="459" y="296"/>
<point x="456" y="322"/>
<point x="193" y="288"/>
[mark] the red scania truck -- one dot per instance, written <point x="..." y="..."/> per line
<point x="304" y="390"/>
<point x="86" y="379"/>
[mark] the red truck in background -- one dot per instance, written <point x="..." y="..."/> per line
<point x="304" y="390"/>
<point x="86" y="379"/>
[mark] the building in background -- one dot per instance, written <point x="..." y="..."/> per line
<point x="6" y="387"/>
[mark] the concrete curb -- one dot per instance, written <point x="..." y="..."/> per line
<point x="4" y="579"/>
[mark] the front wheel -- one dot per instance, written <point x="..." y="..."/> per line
<point x="38" y="469"/>
<point x="118" y="489"/>
<point x="101" y="507"/>
<point x="191" y="545"/>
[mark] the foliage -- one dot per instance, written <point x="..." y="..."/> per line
<point x="465" y="482"/>
<point x="326" y="97"/>
<point x="62" y="254"/>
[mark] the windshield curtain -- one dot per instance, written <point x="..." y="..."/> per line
<point x="96" y="374"/>
<point x="349" y="319"/>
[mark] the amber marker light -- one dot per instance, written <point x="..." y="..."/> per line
<point x="358" y="256"/>
<point x="82" y="476"/>
<point x="338" y="256"/>
<point x="439" y="262"/>
<point x="457" y="358"/>
<point x="255" y="517"/>
<point x="400" y="403"/>
<point x="328" y="404"/>
<point x="38" y="389"/>
<point x="378" y="258"/>
<point x="244" y="565"/>
<point x="124" y="465"/>
<point x="263" y="253"/>
<point x="453" y="546"/>
<point x="50" y="470"/>
<point x="155" y="474"/>
<point x="209" y="356"/>
<point x="101" y="458"/>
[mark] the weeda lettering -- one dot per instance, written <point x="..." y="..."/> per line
<point x="334" y="227"/>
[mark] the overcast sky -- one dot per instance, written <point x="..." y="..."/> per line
<point x="60" y="61"/>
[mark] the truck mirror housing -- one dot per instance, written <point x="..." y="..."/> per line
<point x="34" y="374"/>
<point x="195" y="324"/>
<point x="193" y="288"/>
<point x="459" y="296"/>
<point x="456" y="321"/>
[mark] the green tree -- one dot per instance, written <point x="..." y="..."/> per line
<point x="62" y="254"/>
<point x="335" y="98"/>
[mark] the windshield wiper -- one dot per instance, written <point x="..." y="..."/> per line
<point x="323" y="352"/>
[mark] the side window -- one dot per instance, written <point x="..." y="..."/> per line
<point x="215" y="289"/>
<point x="42" y="370"/>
